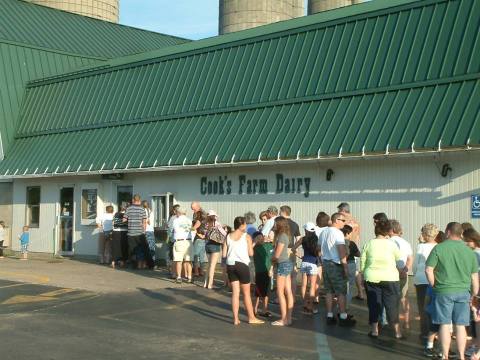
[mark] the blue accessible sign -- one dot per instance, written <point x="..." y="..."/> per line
<point x="476" y="206"/>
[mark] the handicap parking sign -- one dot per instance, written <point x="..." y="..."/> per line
<point x="476" y="206"/>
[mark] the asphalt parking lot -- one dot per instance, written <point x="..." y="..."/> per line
<point x="41" y="321"/>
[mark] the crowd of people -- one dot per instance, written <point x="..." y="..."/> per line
<point x="331" y="261"/>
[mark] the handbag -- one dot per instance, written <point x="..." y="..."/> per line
<point x="216" y="235"/>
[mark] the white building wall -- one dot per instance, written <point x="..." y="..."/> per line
<point x="408" y="189"/>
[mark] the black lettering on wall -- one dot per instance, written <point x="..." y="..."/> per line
<point x="203" y="185"/>
<point x="279" y="183"/>
<point x="242" y="179"/>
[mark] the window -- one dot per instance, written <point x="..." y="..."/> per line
<point x="89" y="205"/>
<point x="124" y="195"/>
<point x="33" y="206"/>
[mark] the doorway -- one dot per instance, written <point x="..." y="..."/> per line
<point x="66" y="217"/>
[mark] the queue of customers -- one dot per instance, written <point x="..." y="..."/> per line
<point x="328" y="252"/>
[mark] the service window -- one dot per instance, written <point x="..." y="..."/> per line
<point x="33" y="206"/>
<point x="124" y="195"/>
<point x="89" y="205"/>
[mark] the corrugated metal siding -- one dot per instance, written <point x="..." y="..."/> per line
<point x="54" y="29"/>
<point x="427" y="41"/>
<point x="20" y="64"/>
<point x="410" y="190"/>
<point x="420" y="117"/>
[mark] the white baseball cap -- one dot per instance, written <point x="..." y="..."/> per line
<point x="309" y="227"/>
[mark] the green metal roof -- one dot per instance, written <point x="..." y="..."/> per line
<point x="38" y="42"/>
<point x="44" y="27"/>
<point x="369" y="79"/>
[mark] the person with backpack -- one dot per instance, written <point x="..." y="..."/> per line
<point x="215" y="236"/>
<point x="309" y="267"/>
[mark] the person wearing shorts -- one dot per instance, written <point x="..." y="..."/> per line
<point x="454" y="286"/>
<point x="262" y="257"/>
<point x="237" y="250"/>
<point x="309" y="266"/>
<point x="182" y="247"/>
<point x="284" y="270"/>
<point x="335" y="269"/>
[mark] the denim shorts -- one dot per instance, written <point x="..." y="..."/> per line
<point x="309" y="268"/>
<point x="284" y="268"/>
<point x="452" y="308"/>
<point x="212" y="247"/>
<point x="24" y="248"/>
<point x="199" y="254"/>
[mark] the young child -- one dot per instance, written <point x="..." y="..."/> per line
<point x="309" y="267"/>
<point x="3" y="234"/>
<point x="262" y="258"/>
<point x="24" y="238"/>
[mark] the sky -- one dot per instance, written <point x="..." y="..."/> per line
<point x="191" y="19"/>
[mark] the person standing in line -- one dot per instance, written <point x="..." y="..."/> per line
<point x="352" y="253"/>
<point x="250" y="218"/>
<point x="151" y="248"/>
<point x="404" y="264"/>
<point x="309" y="266"/>
<point x="379" y="268"/>
<point x="198" y="226"/>
<point x="171" y="240"/>
<point x="216" y="236"/>
<point x="263" y="219"/>
<point x="267" y="230"/>
<point x="136" y="218"/>
<point x="182" y="247"/>
<point x="105" y="225"/>
<point x="344" y="208"/>
<point x="237" y="250"/>
<point x="3" y="235"/>
<point x="452" y="271"/>
<point x="262" y="257"/>
<point x="119" y="239"/>
<point x="24" y="238"/>
<point x="335" y="270"/>
<point x="280" y="256"/>
<point x="472" y="239"/>
<point x="428" y="234"/>
<point x="286" y="211"/>
<point x="322" y="221"/>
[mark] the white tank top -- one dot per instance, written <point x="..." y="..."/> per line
<point x="237" y="251"/>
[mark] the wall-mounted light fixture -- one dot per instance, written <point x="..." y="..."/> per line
<point x="329" y="174"/>
<point x="445" y="170"/>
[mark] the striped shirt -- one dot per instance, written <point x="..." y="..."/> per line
<point x="136" y="217"/>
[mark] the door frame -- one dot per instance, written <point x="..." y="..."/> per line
<point x="57" y="249"/>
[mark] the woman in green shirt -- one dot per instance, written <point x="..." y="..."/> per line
<point x="379" y="268"/>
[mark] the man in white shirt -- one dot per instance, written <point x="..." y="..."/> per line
<point x="404" y="265"/>
<point x="182" y="248"/>
<point x="335" y="269"/>
<point x="272" y="214"/>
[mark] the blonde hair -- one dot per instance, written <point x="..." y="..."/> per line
<point x="429" y="231"/>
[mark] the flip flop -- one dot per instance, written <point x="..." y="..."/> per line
<point x="256" y="322"/>
<point x="278" y="323"/>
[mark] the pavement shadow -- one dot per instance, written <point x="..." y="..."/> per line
<point x="192" y="294"/>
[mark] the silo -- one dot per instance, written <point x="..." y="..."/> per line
<point x="316" y="6"/>
<point x="99" y="9"/>
<point x="236" y="15"/>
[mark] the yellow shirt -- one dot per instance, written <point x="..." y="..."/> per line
<point x="379" y="261"/>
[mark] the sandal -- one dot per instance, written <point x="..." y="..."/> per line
<point x="372" y="335"/>
<point x="267" y="314"/>
<point x="256" y="322"/>
<point x="278" y="323"/>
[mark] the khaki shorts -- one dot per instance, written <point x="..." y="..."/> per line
<point x="182" y="250"/>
